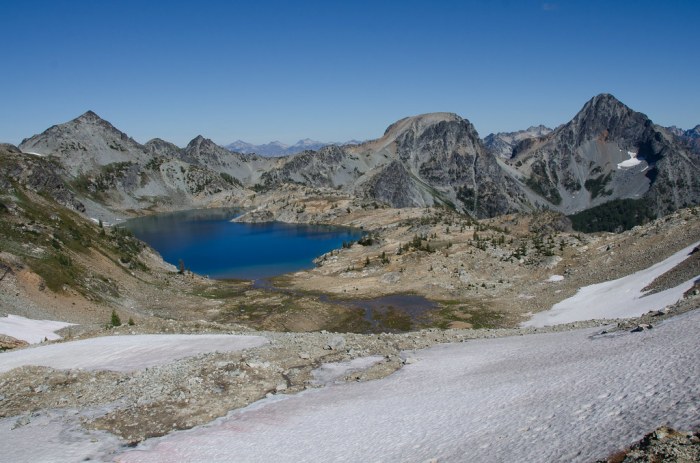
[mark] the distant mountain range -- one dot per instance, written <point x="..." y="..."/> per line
<point x="502" y="143"/>
<point x="276" y="148"/>
<point x="607" y="152"/>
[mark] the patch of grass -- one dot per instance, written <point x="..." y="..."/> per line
<point x="57" y="271"/>
<point x="392" y="319"/>
<point x="459" y="311"/>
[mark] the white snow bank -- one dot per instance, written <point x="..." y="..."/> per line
<point x="555" y="278"/>
<point x="631" y="162"/>
<point x="32" y="331"/>
<point x="329" y="373"/>
<point x="621" y="298"/>
<point x="564" y="396"/>
<point x="34" y="153"/>
<point x="125" y="353"/>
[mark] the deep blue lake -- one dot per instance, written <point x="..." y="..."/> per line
<point x="210" y="244"/>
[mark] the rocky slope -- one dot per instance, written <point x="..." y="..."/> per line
<point x="106" y="167"/>
<point x="423" y="160"/>
<point x="608" y="152"/>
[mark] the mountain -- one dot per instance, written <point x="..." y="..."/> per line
<point x="277" y="149"/>
<point x="690" y="138"/>
<point x="502" y="144"/>
<point x="607" y="152"/>
<point x="108" y="168"/>
<point x="422" y="160"/>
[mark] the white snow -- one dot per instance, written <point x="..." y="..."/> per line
<point x="619" y="298"/>
<point x="125" y="353"/>
<point x="631" y="162"/>
<point x="32" y="331"/>
<point x="329" y="373"/>
<point x="34" y="153"/>
<point x="555" y="278"/>
<point x="570" y="396"/>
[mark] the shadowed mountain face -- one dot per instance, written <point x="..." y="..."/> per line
<point x="606" y="152"/>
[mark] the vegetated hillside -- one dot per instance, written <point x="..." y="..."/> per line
<point x="608" y="152"/>
<point x="613" y="216"/>
<point x="51" y="249"/>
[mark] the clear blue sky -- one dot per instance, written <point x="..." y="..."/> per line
<point x="337" y="70"/>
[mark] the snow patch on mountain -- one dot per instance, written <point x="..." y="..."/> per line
<point x="631" y="162"/>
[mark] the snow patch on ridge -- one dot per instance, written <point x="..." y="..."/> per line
<point x="621" y="298"/>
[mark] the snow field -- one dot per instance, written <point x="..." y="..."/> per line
<point x="621" y="298"/>
<point x="125" y="353"/>
<point x="570" y="396"/>
<point x="32" y="331"/>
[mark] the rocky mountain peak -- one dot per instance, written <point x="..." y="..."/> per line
<point x="89" y="116"/>
<point x="605" y="117"/>
<point x="91" y="119"/>
<point x="415" y="126"/>
<point x="201" y="143"/>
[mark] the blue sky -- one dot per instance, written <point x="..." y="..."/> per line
<point x="334" y="71"/>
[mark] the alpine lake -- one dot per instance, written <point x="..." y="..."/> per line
<point x="207" y="242"/>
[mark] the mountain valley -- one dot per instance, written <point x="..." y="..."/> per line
<point x="489" y="231"/>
